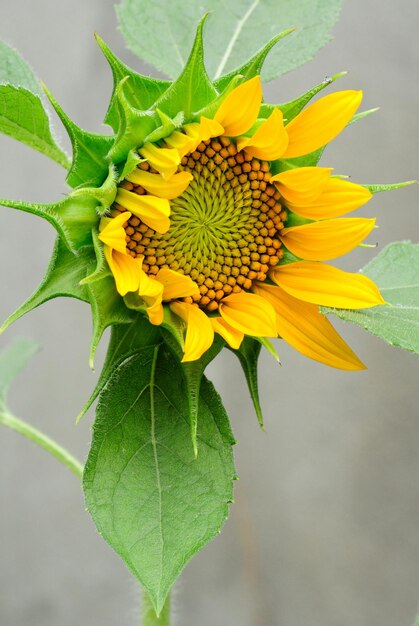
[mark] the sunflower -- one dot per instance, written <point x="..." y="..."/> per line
<point x="206" y="225"/>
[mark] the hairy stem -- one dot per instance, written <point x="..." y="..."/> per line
<point x="149" y="615"/>
<point x="7" y="419"/>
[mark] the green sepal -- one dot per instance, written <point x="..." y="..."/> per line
<point x="362" y="114"/>
<point x="108" y="308"/>
<point x="209" y="110"/>
<point x="193" y="372"/>
<point x="126" y="340"/>
<point x="173" y="328"/>
<point x="62" y="279"/>
<point x="23" y="117"/>
<point x="168" y="125"/>
<point x="133" y="158"/>
<point x="72" y="218"/>
<point x="193" y="89"/>
<point x="133" y="127"/>
<point x="294" y="107"/>
<point x="104" y="195"/>
<point x="89" y="166"/>
<point x="253" y="67"/>
<point x="248" y="355"/>
<point x="269" y="347"/>
<point x="141" y="91"/>
<point x="389" y="186"/>
<point x="101" y="268"/>
<point x="150" y="498"/>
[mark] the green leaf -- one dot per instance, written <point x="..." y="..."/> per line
<point x="61" y="279"/>
<point x="193" y="89"/>
<point x="160" y="32"/>
<point x="389" y="186"/>
<point x="15" y="71"/>
<point x="248" y="355"/>
<point x="141" y="91"/>
<point x="396" y="272"/>
<point x="23" y="117"/>
<point x="126" y="340"/>
<point x="149" y="497"/>
<point x="73" y="218"/>
<point x="90" y="166"/>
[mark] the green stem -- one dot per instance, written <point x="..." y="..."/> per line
<point x="149" y="615"/>
<point x="42" y="440"/>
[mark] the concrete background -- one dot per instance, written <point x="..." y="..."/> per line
<point x="325" y="526"/>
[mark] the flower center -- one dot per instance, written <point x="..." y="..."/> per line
<point x="224" y="227"/>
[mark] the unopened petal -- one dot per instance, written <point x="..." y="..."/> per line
<point x="181" y="142"/>
<point x="209" y="128"/>
<point x="232" y="336"/>
<point x="269" y="141"/>
<point x="239" y="111"/>
<point x="125" y="269"/>
<point x="112" y="233"/>
<point x="322" y="241"/>
<point x="176" y="285"/>
<point x="302" y="185"/>
<point x="337" y="198"/>
<point x="199" y="331"/>
<point x="164" y="160"/>
<point x="326" y="285"/>
<point x="302" y="326"/>
<point x="151" y="210"/>
<point x="320" y="122"/>
<point x="156" y="185"/>
<point x="249" y="314"/>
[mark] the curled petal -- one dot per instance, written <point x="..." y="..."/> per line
<point x="125" y="269"/>
<point x="199" y="331"/>
<point x="209" y="128"/>
<point x="249" y="314"/>
<point x="164" y="160"/>
<point x="326" y="285"/>
<point x="320" y="122"/>
<point x="239" y="111"/>
<point x="151" y="210"/>
<point x="302" y="326"/>
<point x="112" y="232"/>
<point x="180" y="142"/>
<point x="232" y="336"/>
<point x="176" y="285"/>
<point x="269" y="141"/>
<point x="337" y="198"/>
<point x="302" y="185"/>
<point x="151" y="291"/>
<point x="321" y="241"/>
<point x="156" y="185"/>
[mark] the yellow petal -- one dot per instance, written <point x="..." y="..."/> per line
<point x="320" y="122"/>
<point x="249" y="314"/>
<point x="239" y="111"/>
<point x="210" y="128"/>
<point x="302" y="326"/>
<point x="232" y="336"/>
<point x="156" y="185"/>
<point x="176" y="285"/>
<point x="269" y="141"/>
<point x="199" y="331"/>
<point x="151" y="291"/>
<point x="337" y="198"/>
<point x="112" y="233"/>
<point x="125" y="269"/>
<point x="321" y="241"/>
<point x="181" y="142"/>
<point x="326" y="285"/>
<point x="151" y="210"/>
<point x="164" y="160"/>
<point x="302" y="185"/>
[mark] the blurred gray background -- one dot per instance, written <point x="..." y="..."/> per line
<point x="325" y="529"/>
